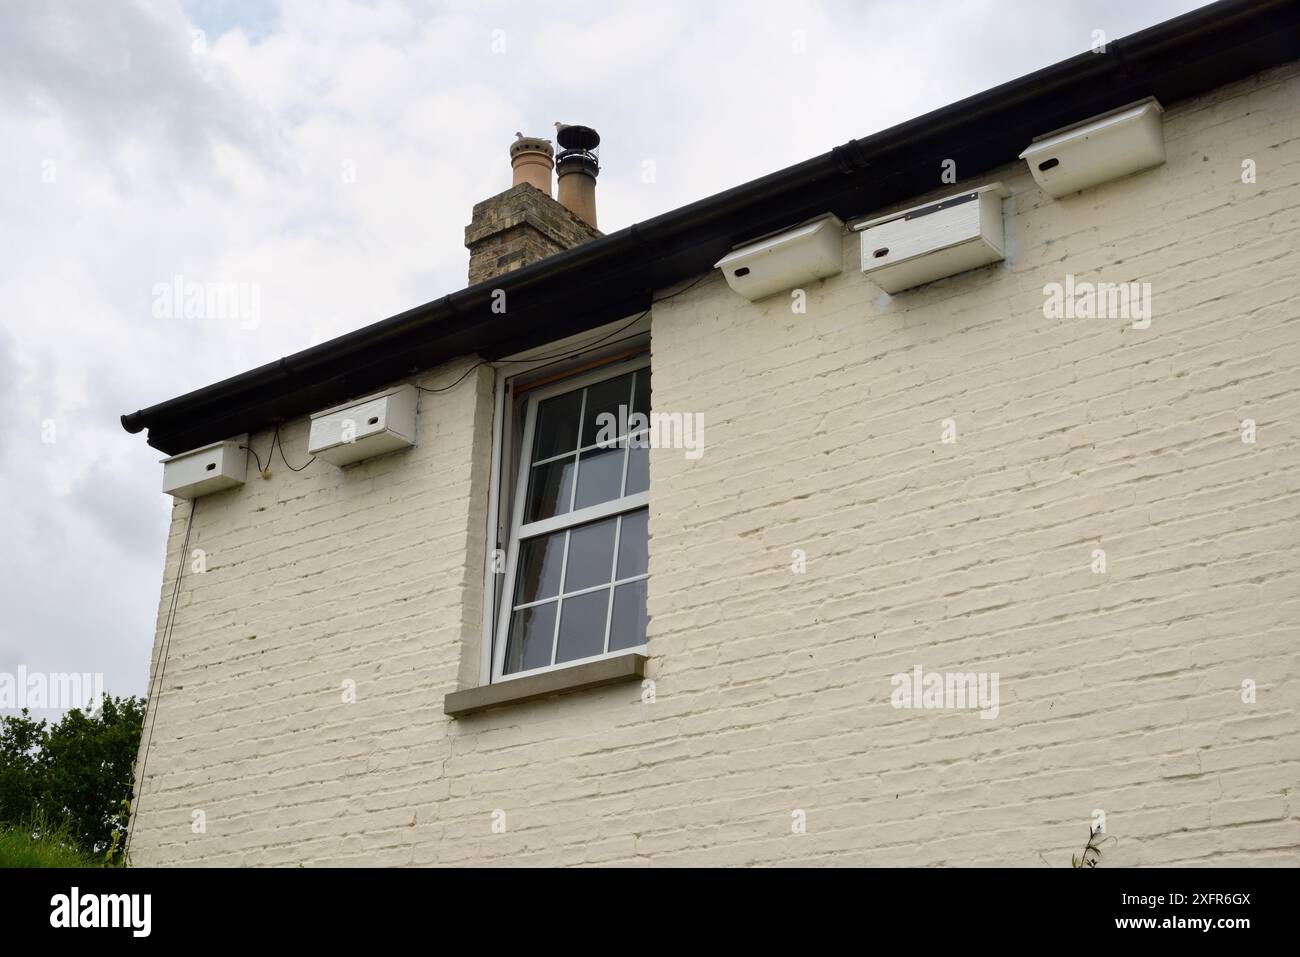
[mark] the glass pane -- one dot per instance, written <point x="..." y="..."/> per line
<point x="600" y="474"/>
<point x="641" y="397"/>
<point x="582" y="626"/>
<point x="632" y="551"/>
<point x="627" y="627"/>
<point x="557" y="425"/>
<point x="539" y="567"/>
<point x="605" y="398"/>
<point x="591" y="555"/>
<point x="531" y="632"/>
<point x="549" y="489"/>
<point x="638" y="465"/>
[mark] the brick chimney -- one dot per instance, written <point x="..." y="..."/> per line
<point x="524" y="224"/>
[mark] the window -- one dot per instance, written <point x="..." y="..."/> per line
<point x="575" y="586"/>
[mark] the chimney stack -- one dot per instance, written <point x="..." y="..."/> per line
<point x="578" y="167"/>
<point x="525" y="224"/>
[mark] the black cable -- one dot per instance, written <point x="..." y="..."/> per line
<point x="276" y="440"/>
<point x="585" y="347"/>
<point x="255" y="455"/>
<point x="671" y="295"/>
<point x="563" y="359"/>
<point x="477" y="365"/>
<point x="558" y="357"/>
<point x="151" y="700"/>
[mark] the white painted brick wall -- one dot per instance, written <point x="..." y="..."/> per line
<point x="1118" y="691"/>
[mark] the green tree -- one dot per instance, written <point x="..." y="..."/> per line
<point x="21" y="739"/>
<point x="75" y="774"/>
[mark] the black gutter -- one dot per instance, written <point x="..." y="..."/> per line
<point x="615" y="276"/>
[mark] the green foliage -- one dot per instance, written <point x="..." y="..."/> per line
<point x="39" y="845"/>
<point x="20" y="748"/>
<point x="1091" y="851"/>
<point x="72" y="778"/>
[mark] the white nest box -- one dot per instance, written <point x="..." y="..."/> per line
<point x="940" y="239"/>
<point x="784" y="260"/>
<point x="364" y="428"/>
<point x="208" y="469"/>
<point x="1105" y="147"/>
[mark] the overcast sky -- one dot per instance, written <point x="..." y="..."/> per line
<point x="328" y="153"/>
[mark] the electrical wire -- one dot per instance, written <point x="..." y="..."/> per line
<point x="560" y="357"/>
<point x="255" y="456"/>
<point x="688" y="288"/>
<point x="448" y="388"/>
<point x="275" y="440"/>
<point x="151" y="698"/>
<point x="557" y="357"/>
<point x="585" y="347"/>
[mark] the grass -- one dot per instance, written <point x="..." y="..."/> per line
<point x="53" y="848"/>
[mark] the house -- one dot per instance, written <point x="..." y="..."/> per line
<point x="956" y="524"/>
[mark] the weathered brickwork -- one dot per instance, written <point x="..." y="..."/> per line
<point x="1119" y="691"/>
<point x="519" y="227"/>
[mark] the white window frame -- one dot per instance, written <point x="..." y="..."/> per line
<point x="521" y="531"/>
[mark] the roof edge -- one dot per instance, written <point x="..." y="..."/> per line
<point x="1173" y="60"/>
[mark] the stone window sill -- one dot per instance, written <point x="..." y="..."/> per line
<point x="593" y="674"/>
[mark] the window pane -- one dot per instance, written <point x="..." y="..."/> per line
<point x="539" y="567"/>
<point x="600" y="475"/>
<point x="641" y="397"/>
<point x="632" y="551"/>
<point x="549" y="489"/>
<point x="591" y="555"/>
<point x="560" y="477"/>
<point x="638" y="465"/>
<point x="605" y="397"/>
<point x="582" y="626"/>
<point x="627" y="627"/>
<point x="531" y="632"/>
<point x="557" y="425"/>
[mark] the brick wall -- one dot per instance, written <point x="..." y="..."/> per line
<point x="518" y="227"/>
<point x="1118" y="691"/>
